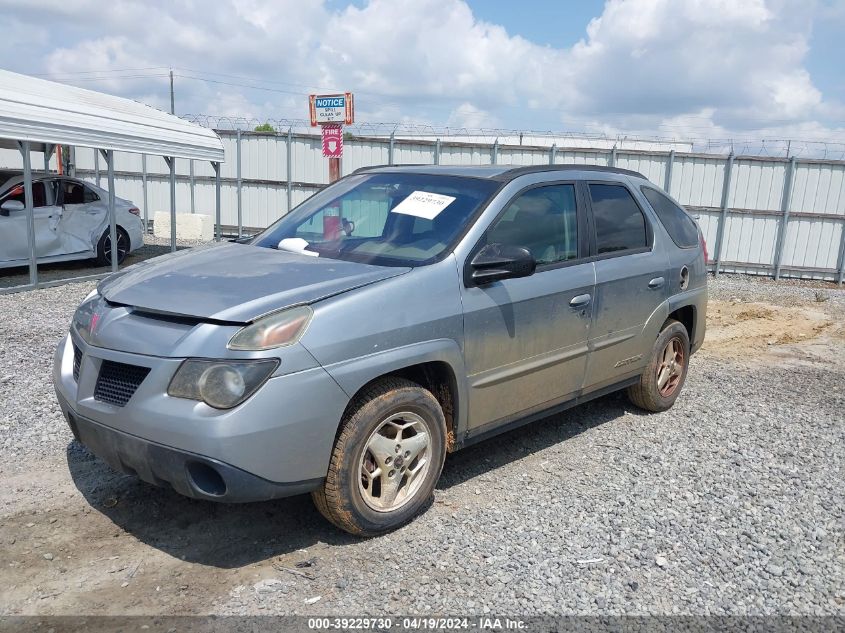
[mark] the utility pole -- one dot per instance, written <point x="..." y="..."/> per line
<point x="172" y="98"/>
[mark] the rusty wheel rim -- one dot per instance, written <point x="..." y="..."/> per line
<point x="671" y="368"/>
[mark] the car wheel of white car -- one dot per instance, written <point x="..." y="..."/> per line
<point x="386" y="459"/>
<point x="104" y="247"/>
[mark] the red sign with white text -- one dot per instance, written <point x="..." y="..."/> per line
<point x="332" y="140"/>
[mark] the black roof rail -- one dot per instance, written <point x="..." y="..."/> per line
<point x="511" y="173"/>
<point x="531" y="169"/>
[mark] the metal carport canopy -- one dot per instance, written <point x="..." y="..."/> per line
<point x="51" y="113"/>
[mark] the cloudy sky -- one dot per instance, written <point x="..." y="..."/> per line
<point x="695" y="68"/>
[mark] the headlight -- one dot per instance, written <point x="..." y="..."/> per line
<point x="220" y="384"/>
<point x="274" y="330"/>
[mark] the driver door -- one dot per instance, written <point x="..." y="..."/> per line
<point x="526" y="338"/>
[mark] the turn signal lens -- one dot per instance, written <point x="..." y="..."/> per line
<point x="274" y="330"/>
<point x="135" y="211"/>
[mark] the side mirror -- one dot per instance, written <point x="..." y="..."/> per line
<point x="12" y="205"/>
<point x="501" y="261"/>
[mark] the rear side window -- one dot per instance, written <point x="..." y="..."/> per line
<point x="678" y="224"/>
<point x="620" y="225"/>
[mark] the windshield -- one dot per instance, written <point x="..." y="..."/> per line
<point x="390" y="219"/>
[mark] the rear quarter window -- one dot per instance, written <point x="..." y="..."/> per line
<point x="677" y="222"/>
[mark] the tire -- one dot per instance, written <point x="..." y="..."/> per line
<point x="104" y="252"/>
<point x="647" y="393"/>
<point x="349" y="498"/>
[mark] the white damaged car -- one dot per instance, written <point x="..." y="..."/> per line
<point x="71" y="222"/>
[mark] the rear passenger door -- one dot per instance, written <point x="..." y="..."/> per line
<point x="630" y="282"/>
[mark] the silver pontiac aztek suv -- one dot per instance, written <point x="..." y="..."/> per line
<point x="396" y="316"/>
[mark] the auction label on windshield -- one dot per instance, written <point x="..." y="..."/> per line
<point x="424" y="204"/>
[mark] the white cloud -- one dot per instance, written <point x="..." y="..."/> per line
<point x="692" y="67"/>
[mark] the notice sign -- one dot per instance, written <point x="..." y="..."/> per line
<point x="423" y="204"/>
<point x="337" y="108"/>
<point x="332" y="140"/>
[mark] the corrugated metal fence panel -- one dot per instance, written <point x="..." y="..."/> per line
<point x="651" y="166"/>
<point x="509" y="155"/>
<point x="757" y="184"/>
<point x="569" y="157"/>
<point x="812" y="242"/>
<point x="749" y="238"/>
<point x="754" y="198"/>
<point x="308" y="162"/>
<point x="708" y="220"/>
<point x="698" y="181"/>
<point x="363" y="153"/>
<point x="819" y="188"/>
<point x="413" y="153"/>
<point x="451" y="154"/>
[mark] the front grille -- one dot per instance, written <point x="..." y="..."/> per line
<point x="77" y="361"/>
<point x="117" y="382"/>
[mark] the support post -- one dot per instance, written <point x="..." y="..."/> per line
<point x="289" y="150"/>
<point x="25" y="148"/>
<point x="171" y="162"/>
<point x="667" y="178"/>
<point x="840" y="276"/>
<point x="97" y="167"/>
<point x="552" y="153"/>
<point x="437" y="152"/>
<point x="494" y="155"/>
<point x="71" y="167"/>
<point x="239" y="185"/>
<point x="144" y="192"/>
<point x="48" y="152"/>
<point x="108" y="155"/>
<point x="334" y="170"/>
<point x="612" y="160"/>
<point x="720" y="234"/>
<point x="193" y="185"/>
<point x="218" y="230"/>
<point x="390" y="148"/>
<point x="785" y="203"/>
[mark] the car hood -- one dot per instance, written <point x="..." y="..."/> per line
<point x="236" y="282"/>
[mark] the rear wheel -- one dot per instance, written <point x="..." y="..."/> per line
<point x="386" y="459"/>
<point x="664" y="376"/>
<point x="104" y="247"/>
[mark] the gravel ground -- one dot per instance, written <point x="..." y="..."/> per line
<point x="730" y="503"/>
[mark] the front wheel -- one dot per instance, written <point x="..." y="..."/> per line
<point x="386" y="459"/>
<point x="664" y="376"/>
<point x="104" y="247"/>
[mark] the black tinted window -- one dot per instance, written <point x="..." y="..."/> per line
<point x="90" y="196"/>
<point x="73" y="193"/>
<point x="543" y="220"/>
<point x="677" y="222"/>
<point x="620" y="224"/>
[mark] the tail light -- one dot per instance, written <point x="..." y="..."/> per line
<point x="704" y="247"/>
<point x="135" y="211"/>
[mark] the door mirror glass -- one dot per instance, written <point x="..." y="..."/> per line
<point x="501" y="261"/>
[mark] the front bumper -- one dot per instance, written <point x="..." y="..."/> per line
<point x="187" y="473"/>
<point x="278" y="442"/>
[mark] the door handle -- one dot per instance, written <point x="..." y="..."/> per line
<point x="656" y="283"/>
<point x="580" y="301"/>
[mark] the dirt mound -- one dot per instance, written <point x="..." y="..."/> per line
<point x="739" y="330"/>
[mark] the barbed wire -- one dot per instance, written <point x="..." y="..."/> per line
<point x="761" y="147"/>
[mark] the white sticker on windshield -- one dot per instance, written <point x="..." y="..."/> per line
<point x="423" y="204"/>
